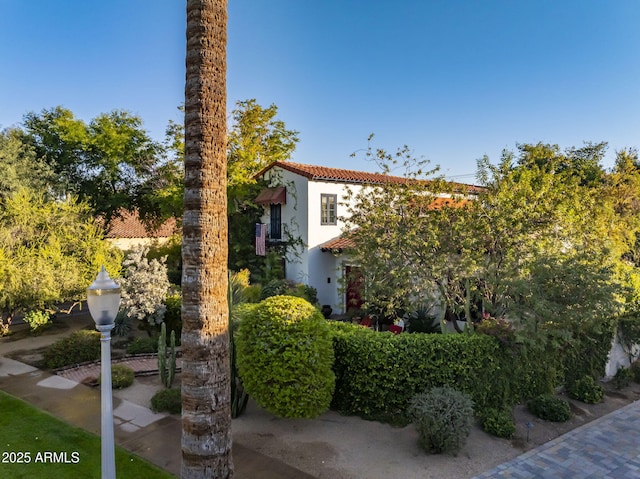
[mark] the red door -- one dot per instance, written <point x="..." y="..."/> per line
<point x="355" y="287"/>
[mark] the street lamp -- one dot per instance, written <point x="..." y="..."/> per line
<point x="103" y="299"/>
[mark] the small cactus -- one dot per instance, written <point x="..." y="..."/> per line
<point x="167" y="372"/>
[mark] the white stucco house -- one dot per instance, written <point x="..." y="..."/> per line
<point x="306" y="202"/>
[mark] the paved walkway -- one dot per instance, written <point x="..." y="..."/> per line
<point x="155" y="437"/>
<point x="607" y="448"/>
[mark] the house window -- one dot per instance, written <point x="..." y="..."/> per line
<point x="328" y="205"/>
<point x="275" y="220"/>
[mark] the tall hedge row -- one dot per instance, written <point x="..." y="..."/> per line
<point x="378" y="373"/>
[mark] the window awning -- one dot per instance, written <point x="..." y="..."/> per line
<point x="273" y="196"/>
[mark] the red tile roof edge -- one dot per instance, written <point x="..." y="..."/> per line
<point x="326" y="173"/>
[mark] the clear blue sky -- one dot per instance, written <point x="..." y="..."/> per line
<point x="452" y="79"/>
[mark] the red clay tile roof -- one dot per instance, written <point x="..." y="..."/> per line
<point x="128" y="225"/>
<point x="337" y="244"/>
<point x="325" y="173"/>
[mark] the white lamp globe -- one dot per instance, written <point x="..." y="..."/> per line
<point x="103" y="299"/>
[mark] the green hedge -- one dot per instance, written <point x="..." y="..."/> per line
<point x="378" y="373"/>
<point x="284" y="356"/>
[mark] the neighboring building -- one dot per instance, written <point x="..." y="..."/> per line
<point x="306" y="202"/>
<point x="127" y="232"/>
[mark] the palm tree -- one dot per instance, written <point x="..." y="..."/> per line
<point x="206" y="413"/>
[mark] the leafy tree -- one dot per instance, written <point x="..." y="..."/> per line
<point x="50" y="252"/>
<point x="20" y="166"/>
<point x="537" y="244"/>
<point x="256" y="140"/>
<point x="103" y="162"/>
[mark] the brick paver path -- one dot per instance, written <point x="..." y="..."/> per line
<point x="607" y="448"/>
<point x="139" y="364"/>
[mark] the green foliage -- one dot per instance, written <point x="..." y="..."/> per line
<point x="238" y="283"/>
<point x="377" y="374"/>
<point x="170" y="253"/>
<point x="142" y="346"/>
<point x="169" y="400"/>
<point x="635" y="370"/>
<point x="629" y="332"/>
<point x="121" y="376"/>
<point x="37" y="320"/>
<point x="104" y="162"/>
<point x="79" y="347"/>
<point x="144" y="287"/>
<point x="284" y="357"/>
<point x="122" y="324"/>
<point x="587" y="351"/>
<point x="275" y="287"/>
<point x="443" y="419"/>
<point x="498" y="422"/>
<point x="586" y="390"/>
<point x="623" y="377"/>
<point x="167" y="370"/>
<point x="173" y="314"/>
<point x="549" y="408"/>
<point x="54" y="241"/>
<point x="20" y="166"/>
<point x="253" y="293"/>
<point x="421" y="320"/>
<point x="500" y="329"/>
<point x="256" y="140"/>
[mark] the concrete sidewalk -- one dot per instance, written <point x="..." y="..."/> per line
<point x="155" y="437"/>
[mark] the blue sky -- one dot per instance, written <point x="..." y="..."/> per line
<point x="452" y="79"/>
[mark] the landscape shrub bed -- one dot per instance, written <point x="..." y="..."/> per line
<point x="377" y="374"/>
<point x="79" y="347"/>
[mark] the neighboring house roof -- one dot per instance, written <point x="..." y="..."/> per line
<point x="129" y="225"/>
<point x="324" y="173"/>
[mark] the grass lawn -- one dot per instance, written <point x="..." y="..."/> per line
<point x="48" y="447"/>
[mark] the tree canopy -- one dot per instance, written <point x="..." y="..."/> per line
<point x="543" y="241"/>
<point x="49" y="252"/>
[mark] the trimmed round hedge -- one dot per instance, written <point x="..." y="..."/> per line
<point x="285" y="357"/>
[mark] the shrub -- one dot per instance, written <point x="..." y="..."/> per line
<point x="443" y="419"/>
<point x="549" y="408"/>
<point x="169" y="400"/>
<point x="623" y="378"/>
<point x="122" y="326"/>
<point x="142" y="346"/>
<point x="498" y="422"/>
<point x="284" y="357"/>
<point x="37" y="320"/>
<point x="275" y="287"/>
<point x="144" y="287"/>
<point x="121" y="376"/>
<point x="422" y="321"/>
<point x="635" y="370"/>
<point x="173" y="314"/>
<point x="586" y="390"/>
<point x="79" y="347"/>
<point x="501" y="329"/>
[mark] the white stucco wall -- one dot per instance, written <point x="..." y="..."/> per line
<point x="302" y="216"/>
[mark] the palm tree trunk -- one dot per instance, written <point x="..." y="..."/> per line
<point x="206" y="413"/>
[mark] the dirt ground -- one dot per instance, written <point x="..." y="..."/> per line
<point x="340" y="447"/>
